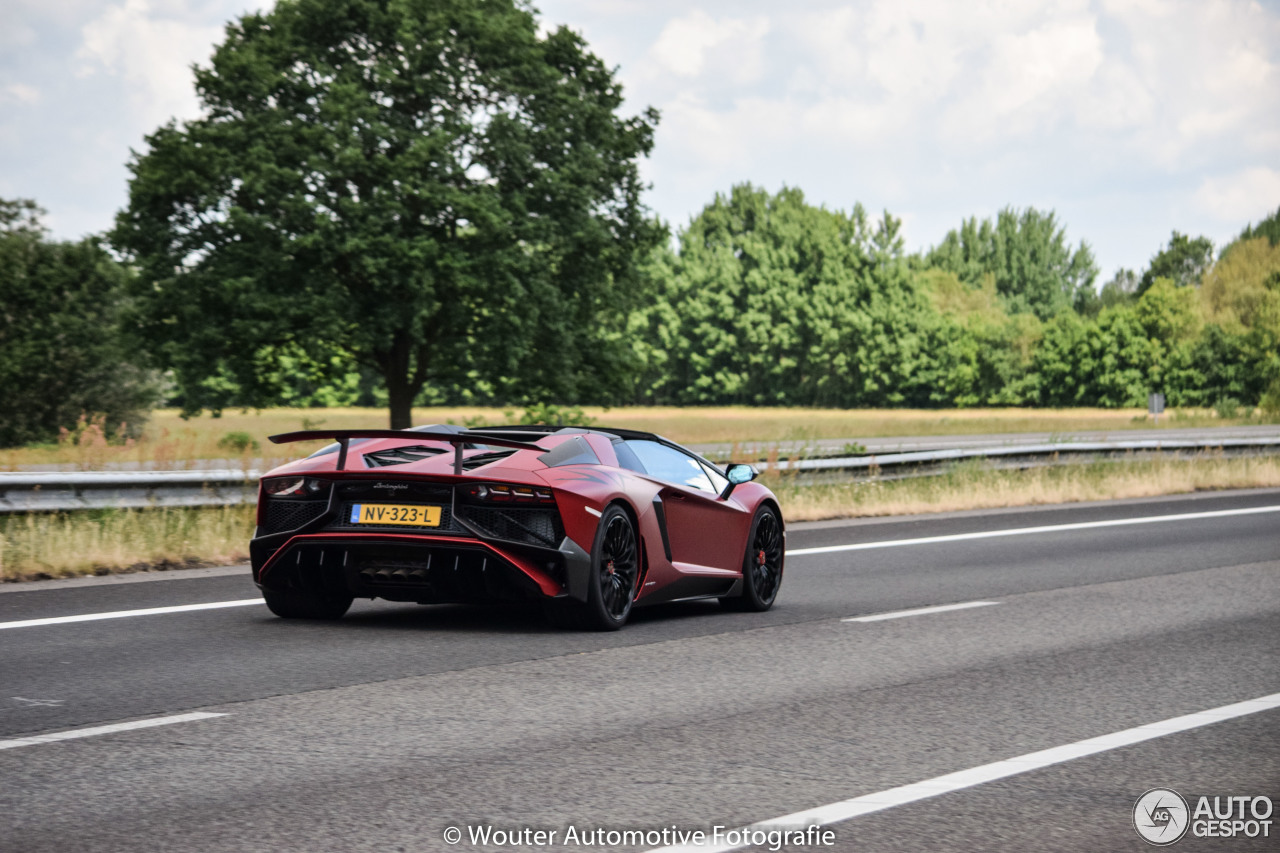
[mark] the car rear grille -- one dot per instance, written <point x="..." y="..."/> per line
<point x="443" y="566"/>
<point x="282" y="515"/>
<point x="435" y="574"/>
<point x="343" y="521"/>
<point x="527" y="525"/>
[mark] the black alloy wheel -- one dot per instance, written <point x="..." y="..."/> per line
<point x="762" y="564"/>
<point x="617" y="567"/>
<point x="615" y="573"/>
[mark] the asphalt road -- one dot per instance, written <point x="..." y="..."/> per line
<point x="384" y="730"/>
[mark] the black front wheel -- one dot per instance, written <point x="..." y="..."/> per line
<point x="762" y="564"/>
<point x="615" y="572"/>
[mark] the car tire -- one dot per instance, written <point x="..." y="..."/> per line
<point x="612" y="584"/>
<point x="307" y="603"/>
<point x="761" y="565"/>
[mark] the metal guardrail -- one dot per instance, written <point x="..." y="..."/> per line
<point x="58" y="491"/>
<point x="62" y="491"/>
<point x="1031" y="455"/>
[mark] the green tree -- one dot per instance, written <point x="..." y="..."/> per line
<point x="1169" y="313"/>
<point x="1107" y="361"/>
<point x="1222" y="364"/>
<point x="1034" y="268"/>
<point x="1243" y="288"/>
<point x="1183" y="261"/>
<point x="61" y="351"/>
<point x="431" y="187"/>
<point x="981" y="355"/>
<point x="1172" y="319"/>
<point x="771" y="300"/>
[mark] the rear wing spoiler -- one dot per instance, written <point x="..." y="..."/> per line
<point x="458" y="439"/>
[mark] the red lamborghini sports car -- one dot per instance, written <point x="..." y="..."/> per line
<point x="589" y="522"/>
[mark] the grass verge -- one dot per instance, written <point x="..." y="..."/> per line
<point x="54" y="545"/>
<point x="37" y="546"/>
<point x="971" y="485"/>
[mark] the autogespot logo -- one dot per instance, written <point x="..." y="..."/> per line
<point x="1160" y="816"/>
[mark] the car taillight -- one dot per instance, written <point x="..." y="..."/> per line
<point x="295" y="487"/>
<point x="505" y="493"/>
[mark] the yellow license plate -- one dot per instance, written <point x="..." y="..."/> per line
<point x="408" y="514"/>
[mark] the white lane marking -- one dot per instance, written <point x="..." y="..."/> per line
<point x="124" y="614"/>
<point x="858" y="806"/>
<point x="37" y="703"/>
<point x="72" y="734"/>
<point x="919" y="611"/>
<point x="1024" y="531"/>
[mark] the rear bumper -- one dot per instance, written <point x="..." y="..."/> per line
<point x="425" y="569"/>
<point x="475" y="552"/>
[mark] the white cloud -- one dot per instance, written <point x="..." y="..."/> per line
<point x="1241" y="197"/>
<point x="690" y="44"/>
<point x="1117" y="109"/>
<point x="1170" y="75"/>
<point x="831" y="45"/>
<point x="1057" y="58"/>
<point x="712" y="136"/>
<point x="1211" y="69"/>
<point x="19" y="93"/>
<point x="152" y="49"/>
<point x="1129" y="117"/>
<point x="15" y="36"/>
<point x="1119" y="100"/>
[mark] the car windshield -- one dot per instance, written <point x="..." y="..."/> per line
<point x="667" y="463"/>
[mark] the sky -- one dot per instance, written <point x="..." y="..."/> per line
<point x="1128" y="118"/>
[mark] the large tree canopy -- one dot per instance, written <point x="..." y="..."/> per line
<point x="430" y="186"/>
<point x="774" y="301"/>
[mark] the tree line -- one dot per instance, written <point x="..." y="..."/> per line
<point x="770" y="300"/>
<point x="764" y="299"/>
<point x="438" y="201"/>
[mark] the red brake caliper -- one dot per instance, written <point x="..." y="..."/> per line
<point x="760" y="560"/>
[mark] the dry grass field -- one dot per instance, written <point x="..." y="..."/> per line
<point x="171" y="442"/>
<point x="53" y="545"/>
<point x="973" y="486"/>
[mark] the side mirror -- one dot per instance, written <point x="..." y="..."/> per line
<point x="738" y="474"/>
